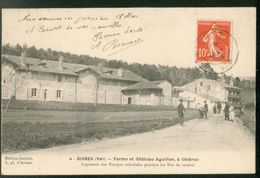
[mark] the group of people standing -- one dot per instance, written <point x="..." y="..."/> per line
<point x="181" y="110"/>
<point x="203" y="111"/>
<point x="217" y="108"/>
<point x="228" y="110"/>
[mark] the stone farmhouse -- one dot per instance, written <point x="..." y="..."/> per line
<point x="148" y="93"/>
<point x="212" y="91"/>
<point x="44" y="80"/>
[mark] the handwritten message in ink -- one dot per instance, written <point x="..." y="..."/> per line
<point x="108" y="34"/>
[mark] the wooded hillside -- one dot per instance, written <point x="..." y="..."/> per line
<point x="176" y="75"/>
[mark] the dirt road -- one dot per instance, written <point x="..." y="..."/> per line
<point x="218" y="146"/>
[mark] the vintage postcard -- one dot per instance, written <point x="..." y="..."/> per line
<point x="128" y="91"/>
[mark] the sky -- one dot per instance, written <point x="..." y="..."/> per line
<point x="160" y="36"/>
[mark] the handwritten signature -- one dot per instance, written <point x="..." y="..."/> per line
<point x="115" y="45"/>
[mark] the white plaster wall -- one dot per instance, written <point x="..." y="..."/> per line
<point x="86" y="87"/>
<point x="167" y="93"/>
<point x="109" y="91"/>
<point x="133" y="95"/>
<point x="215" y="90"/>
<point x="109" y="94"/>
<point x="196" y="100"/>
<point x="156" y="98"/>
<point x="145" y="99"/>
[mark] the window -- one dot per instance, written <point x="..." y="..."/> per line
<point x="58" y="94"/>
<point x="34" y="91"/>
<point x="196" y="90"/>
<point x="209" y="87"/>
<point x="201" y="84"/>
<point x="59" y="78"/>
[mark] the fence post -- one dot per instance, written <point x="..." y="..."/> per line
<point x="27" y="93"/>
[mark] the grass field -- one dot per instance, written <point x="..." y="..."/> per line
<point x="248" y="95"/>
<point x="26" y="129"/>
<point x="249" y="120"/>
<point x="70" y="106"/>
<point x="34" y="116"/>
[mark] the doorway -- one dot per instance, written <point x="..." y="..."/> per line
<point x="129" y="100"/>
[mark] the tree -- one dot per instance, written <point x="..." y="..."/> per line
<point x="208" y="71"/>
<point x="18" y="49"/>
<point x="7" y="49"/>
<point x="177" y="76"/>
<point x="21" y="72"/>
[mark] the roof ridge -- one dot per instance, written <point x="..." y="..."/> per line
<point x="65" y="62"/>
<point x="71" y="68"/>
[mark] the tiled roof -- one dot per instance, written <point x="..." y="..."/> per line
<point x="71" y="69"/>
<point x="34" y="65"/>
<point x="142" y="86"/>
<point x="127" y="75"/>
<point x="225" y="85"/>
<point x="231" y="86"/>
<point x="177" y="88"/>
<point x="158" y="82"/>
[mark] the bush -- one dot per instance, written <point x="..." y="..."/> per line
<point x="249" y="106"/>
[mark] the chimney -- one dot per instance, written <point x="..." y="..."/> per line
<point x="120" y="72"/>
<point x="61" y="62"/>
<point x="222" y="78"/>
<point x="231" y="81"/>
<point x="23" y="56"/>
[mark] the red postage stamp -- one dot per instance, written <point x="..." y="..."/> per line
<point x="213" y="42"/>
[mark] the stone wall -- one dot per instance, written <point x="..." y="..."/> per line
<point x="46" y="86"/>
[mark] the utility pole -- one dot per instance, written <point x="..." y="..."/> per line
<point x="97" y="87"/>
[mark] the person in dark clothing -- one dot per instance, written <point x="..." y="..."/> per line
<point x="181" y="111"/>
<point x="219" y="106"/>
<point x="226" y="111"/>
<point x="200" y="111"/>
<point x="214" y="109"/>
<point x="205" y="110"/>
